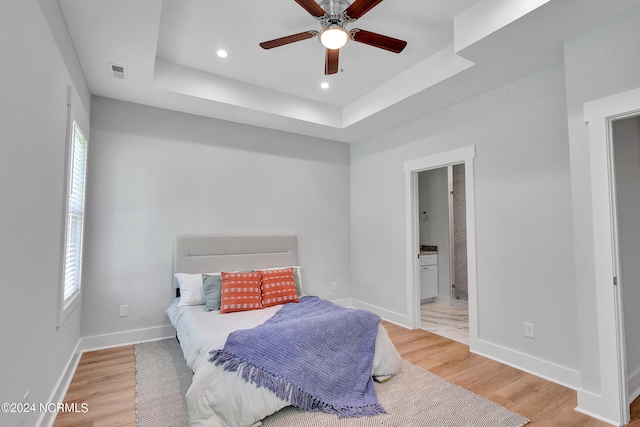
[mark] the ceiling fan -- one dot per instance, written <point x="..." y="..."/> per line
<point x="334" y="15"/>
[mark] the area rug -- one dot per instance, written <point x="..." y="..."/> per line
<point x="162" y="381"/>
<point x="413" y="398"/>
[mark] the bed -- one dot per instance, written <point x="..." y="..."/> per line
<point x="219" y="396"/>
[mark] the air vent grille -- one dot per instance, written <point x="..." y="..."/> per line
<point x="118" y="71"/>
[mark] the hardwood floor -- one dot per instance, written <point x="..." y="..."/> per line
<point x="105" y="380"/>
<point x="543" y="402"/>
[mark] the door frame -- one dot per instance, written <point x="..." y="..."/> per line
<point x="599" y="115"/>
<point x="464" y="155"/>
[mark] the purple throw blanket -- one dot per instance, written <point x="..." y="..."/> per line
<point x="314" y="354"/>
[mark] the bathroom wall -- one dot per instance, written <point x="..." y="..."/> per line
<point x="459" y="234"/>
<point x="433" y="195"/>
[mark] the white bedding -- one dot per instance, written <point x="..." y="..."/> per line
<point x="200" y="331"/>
<point x="218" y="398"/>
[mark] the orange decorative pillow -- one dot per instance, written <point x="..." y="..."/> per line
<point x="278" y="287"/>
<point x="240" y="292"/>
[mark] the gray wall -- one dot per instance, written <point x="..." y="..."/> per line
<point x="154" y="174"/>
<point x="525" y="263"/>
<point x="534" y="231"/>
<point x="601" y="62"/>
<point x="39" y="63"/>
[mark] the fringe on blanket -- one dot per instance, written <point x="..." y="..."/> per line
<point x="287" y="391"/>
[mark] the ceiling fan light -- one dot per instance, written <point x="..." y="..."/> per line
<point x="334" y="37"/>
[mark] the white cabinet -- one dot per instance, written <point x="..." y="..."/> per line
<point x="428" y="276"/>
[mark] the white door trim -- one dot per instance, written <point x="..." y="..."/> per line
<point x="464" y="155"/>
<point x="612" y="402"/>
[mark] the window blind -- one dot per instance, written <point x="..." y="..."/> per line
<point x="75" y="214"/>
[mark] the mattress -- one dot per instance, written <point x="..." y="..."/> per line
<point x="200" y="331"/>
<point x="218" y="398"/>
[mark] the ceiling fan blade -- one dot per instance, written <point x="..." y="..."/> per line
<point x="312" y="7"/>
<point x="359" y="8"/>
<point x="378" y="40"/>
<point x="288" y="39"/>
<point x="331" y="61"/>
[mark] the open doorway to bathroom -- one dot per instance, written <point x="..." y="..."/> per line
<point x="443" y="252"/>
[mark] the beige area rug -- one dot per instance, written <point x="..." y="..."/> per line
<point x="162" y="381"/>
<point x="413" y="398"/>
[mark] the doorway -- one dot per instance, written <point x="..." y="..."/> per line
<point x="443" y="252"/>
<point x="626" y="165"/>
<point x="617" y="378"/>
<point x="462" y="156"/>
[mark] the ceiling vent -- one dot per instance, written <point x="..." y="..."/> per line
<point x="118" y="71"/>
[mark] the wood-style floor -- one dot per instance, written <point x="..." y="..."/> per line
<point x="105" y="380"/>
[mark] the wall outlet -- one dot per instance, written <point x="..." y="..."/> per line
<point x="528" y="330"/>
<point x="334" y="286"/>
<point x="124" y="310"/>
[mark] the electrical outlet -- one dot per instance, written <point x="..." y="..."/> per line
<point x="528" y="330"/>
<point x="124" y="310"/>
<point x="334" y="286"/>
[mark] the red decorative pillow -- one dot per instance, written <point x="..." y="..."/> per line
<point x="240" y="292"/>
<point x="278" y="287"/>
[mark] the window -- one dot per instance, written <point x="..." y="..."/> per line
<point x="74" y="221"/>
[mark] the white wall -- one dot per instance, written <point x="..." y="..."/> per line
<point x="39" y="63"/>
<point x="433" y="186"/>
<point x="626" y="143"/>
<point x="154" y="174"/>
<point x="524" y="237"/>
<point x="600" y="62"/>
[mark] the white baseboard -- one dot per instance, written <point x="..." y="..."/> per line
<point x="117" y="339"/>
<point x="633" y="385"/>
<point x="588" y="403"/>
<point x="459" y="303"/>
<point x="588" y="400"/>
<point x="552" y="372"/>
<point x="47" y="418"/>
<point x="388" y="315"/>
<point x="555" y="373"/>
<point x="441" y="299"/>
<point x="346" y="302"/>
<point x="97" y="343"/>
<point x="561" y="375"/>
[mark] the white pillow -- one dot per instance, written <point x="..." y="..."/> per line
<point x="191" y="289"/>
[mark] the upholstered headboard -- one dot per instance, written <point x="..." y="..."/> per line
<point x="211" y="253"/>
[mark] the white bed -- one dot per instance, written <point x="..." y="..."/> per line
<point x="218" y="398"/>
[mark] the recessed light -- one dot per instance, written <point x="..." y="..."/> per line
<point x="222" y="53"/>
<point x="324" y="85"/>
